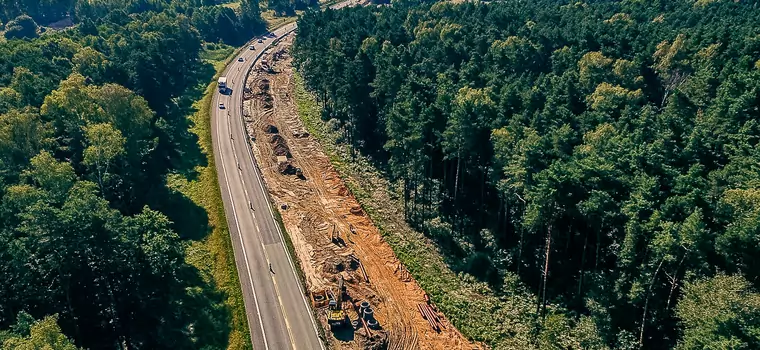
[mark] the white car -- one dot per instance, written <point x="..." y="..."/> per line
<point x="261" y="41"/>
<point x="251" y="47"/>
<point x="221" y="106"/>
<point x="240" y="59"/>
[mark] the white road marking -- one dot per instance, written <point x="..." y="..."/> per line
<point x="266" y="256"/>
<point x="242" y="245"/>
<point x="259" y="179"/>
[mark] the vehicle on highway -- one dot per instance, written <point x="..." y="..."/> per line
<point x="222" y="84"/>
<point x="221" y="105"/>
<point x="251" y="47"/>
<point x="240" y="59"/>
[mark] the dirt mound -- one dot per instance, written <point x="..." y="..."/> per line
<point x="282" y="150"/>
<point x="280" y="54"/>
<point x="280" y="146"/>
<point x="286" y="168"/>
<point x="356" y="210"/>
<point x="343" y="191"/>
<point x="271" y="129"/>
<point x="267" y="101"/>
<point x="338" y="264"/>
<point x="334" y="265"/>
<point x="264" y="85"/>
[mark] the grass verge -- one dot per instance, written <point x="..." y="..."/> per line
<point x="217" y="54"/>
<point x="213" y="255"/>
<point x="274" y="21"/>
<point x="501" y="321"/>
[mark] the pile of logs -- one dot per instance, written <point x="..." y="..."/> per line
<point x="431" y="316"/>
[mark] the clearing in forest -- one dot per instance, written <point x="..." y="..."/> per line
<point x="333" y="238"/>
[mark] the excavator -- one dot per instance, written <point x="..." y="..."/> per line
<point x="336" y="317"/>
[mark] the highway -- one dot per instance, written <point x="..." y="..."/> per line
<point x="279" y="316"/>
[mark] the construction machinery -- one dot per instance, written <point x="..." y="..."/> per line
<point x="336" y="317"/>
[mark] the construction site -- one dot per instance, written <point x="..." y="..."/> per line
<point x="364" y="297"/>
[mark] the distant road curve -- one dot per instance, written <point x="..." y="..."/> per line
<point x="279" y="316"/>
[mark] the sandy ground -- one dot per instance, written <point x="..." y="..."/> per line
<point x="316" y="206"/>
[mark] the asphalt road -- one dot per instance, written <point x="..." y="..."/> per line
<point x="279" y="316"/>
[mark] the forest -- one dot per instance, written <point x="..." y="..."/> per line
<point x="93" y="119"/>
<point x="602" y="155"/>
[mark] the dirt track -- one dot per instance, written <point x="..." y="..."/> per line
<point x="318" y="205"/>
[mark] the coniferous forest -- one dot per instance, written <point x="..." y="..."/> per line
<point x="93" y="119"/>
<point x="604" y="153"/>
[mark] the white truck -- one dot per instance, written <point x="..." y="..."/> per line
<point x="222" y="84"/>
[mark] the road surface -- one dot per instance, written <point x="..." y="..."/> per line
<point x="279" y="316"/>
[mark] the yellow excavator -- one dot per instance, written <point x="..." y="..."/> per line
<point x="336" y="317"/>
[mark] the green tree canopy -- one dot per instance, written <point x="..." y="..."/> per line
<point x="22" y="27"/>
<point x="722" y="312"/>
<point x="43" y="334"/>
<point x="604" y="152"/>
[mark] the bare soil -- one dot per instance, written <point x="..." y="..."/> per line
<point x="332" y="236"/>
